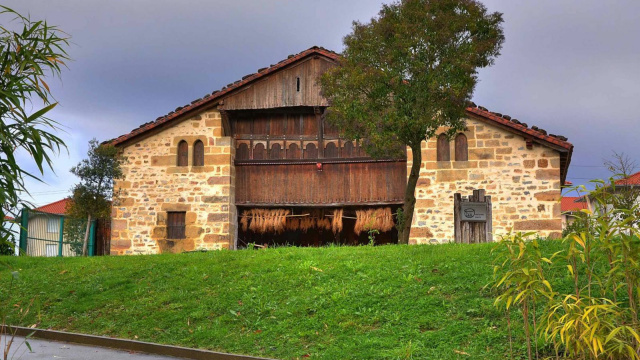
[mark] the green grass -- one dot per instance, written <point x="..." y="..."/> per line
<point x="387" y="302"/>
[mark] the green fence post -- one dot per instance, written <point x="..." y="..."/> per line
<point x="61" y="236"/>
<point x="92" y="238"/>
<point x="24" y="227"/>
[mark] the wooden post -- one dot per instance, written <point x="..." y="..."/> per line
<point x="61" y="236"/>
<point x="472" y="232"/>
<point x="24" y="231"/>
<point x="457" y="230"/>
<point x="318" y="112"/>
<point x="489" y="220"/>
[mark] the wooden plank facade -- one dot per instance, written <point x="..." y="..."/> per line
<point x="296" y="85"/>
<point x="288" y="155"/>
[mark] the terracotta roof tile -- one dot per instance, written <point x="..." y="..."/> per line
<point x="633" y="179"/>
<point x="59" y="207"/>
<point x="573" y="203"/>
<point x="521" y="127"/>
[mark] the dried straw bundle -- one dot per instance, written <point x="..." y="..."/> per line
<point x="380" y="219"/>
<point x="323" y="224"/>
<point x="386" y="219"/>
<point x="307" y="223"/>
<point x="293" y="224"/>
<point x="244" y="220"/>
<point x="336" y="222"/>
<point x="265" y="220"/>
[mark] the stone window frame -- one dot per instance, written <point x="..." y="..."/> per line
<point x="198" y="153"/>
<point x="182" y="158"/>
<point x="461" y="147"/>
<point x="176" y="231"/>
<point x="443" y="152"/>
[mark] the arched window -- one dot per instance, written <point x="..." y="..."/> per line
<point x="443" y="152"/>
<point x="242" y="152"/>
<point x="293" y="152"/>
<point x="259" y="152"/>
<point x="331" y="150"/>
<point x="462" y="149"/>
<point x="348" y="149"/>
<point x="276" y="151"/>
<point x="311" y="151"/>
<point x="198" y="153"/>
<point x="183" y="153"/>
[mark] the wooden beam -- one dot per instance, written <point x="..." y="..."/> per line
<point x="226" y="127"/>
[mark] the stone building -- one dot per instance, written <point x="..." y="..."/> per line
<point x="256" y="162"/>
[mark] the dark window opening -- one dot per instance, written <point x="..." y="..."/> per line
<point x="462" y="149"/>
<point x="276" y="152"/>
<point x="311" y="151"/>
<point x="198" y="153"/>
<point x="331" y="150"/>
<point x="242" y="153"/>
<point x="443" y="152"/>
<point x="298" y="84"/>
<point x="294" y="152"/>
<point x="183" y="153"/>
<point x="259" y="152"/>
<point x="176" y="224"/>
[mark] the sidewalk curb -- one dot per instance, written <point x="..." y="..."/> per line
<point x="127" y="345"/>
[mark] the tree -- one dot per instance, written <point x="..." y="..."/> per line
<point x="93" y="195"/>
<point x="626" y="194"/>
<point x="408" y="72"/>
<point x="27" y="55"/>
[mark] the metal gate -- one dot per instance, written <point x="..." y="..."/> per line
<point x="472" y="217"/>
<point x="43" y="234"/>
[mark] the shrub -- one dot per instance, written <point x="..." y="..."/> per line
<point x="597" y="316"/>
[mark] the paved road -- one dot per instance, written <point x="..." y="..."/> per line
<point x="45" y="349"/>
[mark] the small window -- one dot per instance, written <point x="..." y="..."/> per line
<point x="242" y="152"/>
<point x="259" y="152"/>
<point x="443" y="152"/>
<point x="348" y="150"/>
<point x="198" y="153"/>
<point x="298" y="84"/>
<point x="183" y="153"/>
<point x="276" y="151"/>
<point x="331" y="150"/>
<point x="311" y="151"/>
<point x="175" y="225"/>
<point x="462" y="149"/>
<point x="53" y="225"/>
<point x="293" y="152"/>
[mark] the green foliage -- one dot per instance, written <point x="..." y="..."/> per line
<point x="380" y="302"/>
<point x="408" y="72"/>
<point x="519" y="274"/>
<point x="597" y="316"/>
<point x="372" y="236"/>
<point x="411" y="70"/>
<point x="93" y="195"/>
<point x="27" y="55"/>
<point x="74" y="230"/>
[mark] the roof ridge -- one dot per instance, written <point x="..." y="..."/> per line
<point x="518" y="125"/>
<point x="223" y="91"/>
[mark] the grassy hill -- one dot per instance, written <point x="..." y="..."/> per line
<point x="387" y="302"/>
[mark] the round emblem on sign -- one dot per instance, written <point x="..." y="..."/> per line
<point x="469" y="213"/>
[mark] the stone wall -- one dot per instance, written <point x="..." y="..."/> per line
<point x="154" y="185"/>
<point x="524" y="184"/>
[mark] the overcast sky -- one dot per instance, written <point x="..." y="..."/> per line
<point x="570" y="67"/>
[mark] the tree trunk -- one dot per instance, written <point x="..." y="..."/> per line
<point x="410" y="194"/>
<point x="86" y="236"/>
